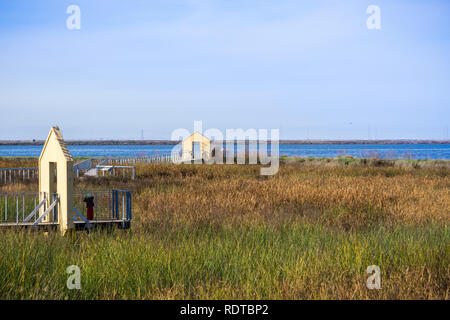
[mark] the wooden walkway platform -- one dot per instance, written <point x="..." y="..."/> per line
<point x="79" y="225"/>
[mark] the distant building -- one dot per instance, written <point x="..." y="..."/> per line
<point x="196" y="146"/>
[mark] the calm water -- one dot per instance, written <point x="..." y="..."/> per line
<point x="409" y="151"/>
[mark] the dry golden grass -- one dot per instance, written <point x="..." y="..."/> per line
<point x="225" y="232"/>
<point x="348" y="197"/>
<point x="18" y="162"/>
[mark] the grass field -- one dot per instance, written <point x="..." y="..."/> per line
<point x="225" y="232"/>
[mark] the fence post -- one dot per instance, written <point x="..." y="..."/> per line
<point x="115" y="204"/>
<point x="123" y="205"/>
<point x="35" y="207"/>
<point x="17" y="209"/>
<point x="55" y="209"/>
<point x="128" y="205"/>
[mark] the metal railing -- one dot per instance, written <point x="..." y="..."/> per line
<point x="23" y="207"/>
<point x="34" y="207"/>
<point x="162" y="158"/>
<point x="108" y="205"/>
<point x="118" y="171"/>
<point x="82" y="167"/>
<point x="16" y="175"/>
<point x="11" y="175"/>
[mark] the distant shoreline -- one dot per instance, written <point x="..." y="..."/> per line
<point x="169" y="142"/>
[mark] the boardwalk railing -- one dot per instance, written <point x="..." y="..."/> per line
<point x="108" y="205"/>
<point x="13" y="175"/>
<point x="113" y="170"/>
<point x="9" y="175"/>
<point x="160" y="158"/>
<point x="82" y="166"/>
<point x="107" y="167"/>
<point x="27" y="207"/>
<point x="31" y="208"/>
<point x="86" y="167"/>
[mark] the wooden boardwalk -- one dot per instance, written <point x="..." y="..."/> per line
<point x="121" y="224"/>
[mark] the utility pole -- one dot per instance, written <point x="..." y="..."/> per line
<point x="142" y="134"/>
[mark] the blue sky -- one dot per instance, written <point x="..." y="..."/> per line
<point x="309" y="68"/>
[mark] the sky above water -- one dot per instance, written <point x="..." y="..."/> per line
<point x="309" y="68"/>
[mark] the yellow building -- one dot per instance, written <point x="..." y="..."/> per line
<point x="196" y="146"/>
<point x="56" y="179"/>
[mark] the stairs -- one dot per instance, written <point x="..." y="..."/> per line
<point x="93" y="172"/>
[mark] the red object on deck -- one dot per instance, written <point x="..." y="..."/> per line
<point x="90" y="213"/>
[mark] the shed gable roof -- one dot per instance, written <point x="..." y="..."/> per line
<point x="55" y="136"/>
<point x="197" y="133"/>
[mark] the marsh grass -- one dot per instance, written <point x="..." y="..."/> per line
<point x="295" y="261"/>
<point x="225" y="232"/>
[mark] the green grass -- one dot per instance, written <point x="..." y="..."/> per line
<point x="225" y="232"/>
<point x="292" y="261"/>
